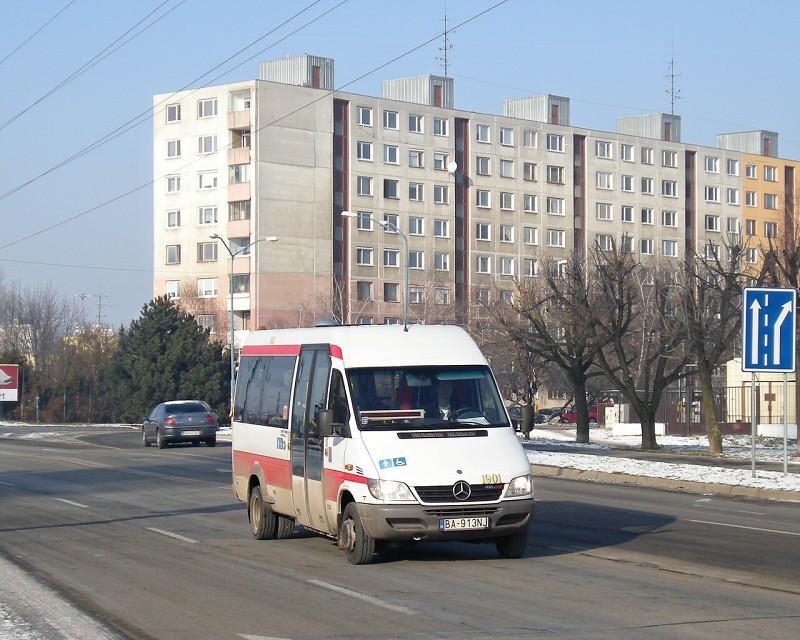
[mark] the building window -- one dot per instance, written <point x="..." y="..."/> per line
<point x="207" y="108"/>
<point x="364" y="221"/>
<point x="555" y="206"/>
<point x="441" y="228"/>
<point x="555" y="238"/>
<point x="238" y="173"/>
<point x="206" y="251"/>
<point x="364" y="256"/>
<point x="483" y="264"/>
<point x="207" y="322"/>
<point x="173" y="219"/>
<point x="626" y="152"/>
<point x="364" y="186"/>
<point x="604" y="242"/>
<point x="483" y="166"/>
<point x="751" y="198"/>
<point x="173" y="113"/>
<point x="506" y="233"/>
<point x="770" y="174"/>
<point x="441" y="194"/>
<point x="669" y="188"/>
<point x="364" y="320"/>
<point x="506" y="266"/>
<point x="712" y="194"/>
<point x="390" y="119"/>
<point x="712" y="223"/>
<point x="173" y="184"/>
<point x="604" y="149"/>
<point x="647" y="186"/>
<point x="483" y="198"/>
<point x="391" y="292"/>
<point x="207" y="287"/>
<point x="506" y="168"/>
<point x="207" y="215"/>
<point x="173" y="254"/>
<point x="390" y="154"/>
<point x="174" y="148"/>
<point x="414" y="123"/>
<point x="669" y="219"/>
<point x="390" y="189"/>
<point x="415" y="295"/>
<point x="364" y="151"/>
<point x="391" y="258"/>
<point x="530" y="267"/>
<point x="712" y="164"/>
<point x="207" y="180"/>
<point x="605" y="180"/>
<point x="770" y="229"/>
<point x="626" y="244"/>
<point x="507" y="136"/>
<point x="363" y="291"/>
<point x="240" y="246"/>
<point x="416" y="226"/>
<point x="626" y="183"/>
<point x="669" y="158"/>
<point x="732" y="167"/>
<point x="239" y="210"/>
<point x="733" y="225"/>
<point x="647" y="215"/>
<point x="441" y="261"/>
<point x="391" y="223"/>
<point x="647" y="155"/>
<point x="646" y="246"/>
<point x="732" y="196"/>
<point x="555" y="142"/>
<point x="364" y="116"/>
<point x="530" y="202"/>
<point x="415" y="191"/>
<point x="712" y="251"/>
<point x="669" y="248"/>
<point x="415" y="158"/>
<point x="529" y="171"/>
<point x="770" y="201"/>
<point x="531" y="235"/>
<point x="172" y="289"/>
<point x="206" y="144"/>
<point x="441" y="295"/>
<point x="750" y="170"/>
<point x="626" y="213"/>
<point x="483" y="231"/>
<point x="506" y="201"/>
<point x="440" y="127"/>
<point x="416" y="260"/>
<point x="482" y="133"/>
<point x="555" y="174"/>
<point x="440" y="161"/>
<point x="604" y="211"/>
<point x="750" y="227"/>
<point x="529" y="139"/>
<point x="750" y="256"/>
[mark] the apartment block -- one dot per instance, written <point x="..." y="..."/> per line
<point x="450" y="204"/>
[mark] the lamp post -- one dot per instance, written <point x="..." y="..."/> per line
<point x="233" y="254"/>
<point x="393" y="228"/>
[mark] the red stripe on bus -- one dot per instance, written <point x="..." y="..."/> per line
<point x="277" y="471"/>
<point x="271" y="350"/>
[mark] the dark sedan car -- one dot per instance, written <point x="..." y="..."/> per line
<point x="180" y="421"/>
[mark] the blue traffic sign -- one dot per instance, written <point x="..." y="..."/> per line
<point x="769" y="330"/>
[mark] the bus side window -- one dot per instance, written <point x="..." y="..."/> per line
<point x="338" y="403"/>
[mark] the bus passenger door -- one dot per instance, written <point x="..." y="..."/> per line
<point x="307" y="445"/>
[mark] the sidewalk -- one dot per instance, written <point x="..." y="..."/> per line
<point x="682" y="463"/>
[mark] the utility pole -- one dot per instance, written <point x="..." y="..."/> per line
<point x="445" y="48"/>
<point x="674" y="94"/>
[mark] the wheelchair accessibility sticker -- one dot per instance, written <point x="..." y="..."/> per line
<point x="391" y="462"/>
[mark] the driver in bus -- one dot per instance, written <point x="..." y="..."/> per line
<point x="441" y="404"/>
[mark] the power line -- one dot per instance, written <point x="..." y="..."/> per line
<point x="35" y="33"/>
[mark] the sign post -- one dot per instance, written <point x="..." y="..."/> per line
<point x="769" y="336"/>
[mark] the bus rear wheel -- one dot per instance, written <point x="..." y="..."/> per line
<point x="263" y="524"/>
<point x="356" y="543"/>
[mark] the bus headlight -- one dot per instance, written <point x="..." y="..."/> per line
<point x="389" y="490"/>
<point x="520" y="486"/>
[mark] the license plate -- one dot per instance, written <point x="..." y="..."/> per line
<point x="461" y="524"/>
<point x="192" y="432"/>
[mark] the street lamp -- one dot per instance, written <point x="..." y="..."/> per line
<point x="393" y="228"/>
<point x="233" y="254"/>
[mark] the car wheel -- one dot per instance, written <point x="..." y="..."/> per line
<point x="592" y="422"/>
<point x="513" y="546"/>
<point x="262" y="520"/>
<point x="285" y="527"/>
<point x="211" y="442"/>
<point x="356" y="543"/>
<point x="145" y="441"/>
<point x="160" y="442"/>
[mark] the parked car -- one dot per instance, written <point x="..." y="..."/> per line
<point x="571" y="416"/>
<point x="515" y="413"/>
<point x="180" y="421"/>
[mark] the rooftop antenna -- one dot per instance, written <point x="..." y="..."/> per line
<point x="674" y="94"/>
<point x="445" y="48"/>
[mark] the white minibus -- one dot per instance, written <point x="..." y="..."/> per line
<point x="377" y="436"/>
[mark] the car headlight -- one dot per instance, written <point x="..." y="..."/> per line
<point x="389" y="490"/>
<point x="520" y="486"/>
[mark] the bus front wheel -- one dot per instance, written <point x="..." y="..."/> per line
<point x="356" y="543"/>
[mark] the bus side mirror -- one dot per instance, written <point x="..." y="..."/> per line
<point x="325" y="422"/>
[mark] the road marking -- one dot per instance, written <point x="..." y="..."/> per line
<point x="708" y="506"/>
<point x="8" y="484"/>
<point x="223" y="470"/>
<point x="177" y="536"/>
<point x="361" y="596"/>
<point x="74" y="504"/>
<point x="740" y="526"/>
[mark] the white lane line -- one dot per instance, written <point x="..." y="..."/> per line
<point x="177" y="536"/>
<point x="361" y="596"/>
<point x="74" y="504"/>
<point x="708" y="506"/>
<point x="740" y="526"/>
<point x="223" y="470"/>
<point x="8" y="484"/>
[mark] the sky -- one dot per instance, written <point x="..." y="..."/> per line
<point x="77" y="73"/>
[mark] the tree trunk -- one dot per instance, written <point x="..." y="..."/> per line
<point x="581" y="413"/>
<point x="648" y="418"/>
<point x="709" y="409"/>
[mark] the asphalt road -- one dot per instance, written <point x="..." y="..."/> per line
<point x="152" y="544"/>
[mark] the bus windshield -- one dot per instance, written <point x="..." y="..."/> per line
<point x="432" y="397"/>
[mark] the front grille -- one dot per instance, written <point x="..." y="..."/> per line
<point x="461" y="512"/>
<point x="444" y="493"/>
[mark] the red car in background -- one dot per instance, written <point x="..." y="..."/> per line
<point x="571" y="416"/>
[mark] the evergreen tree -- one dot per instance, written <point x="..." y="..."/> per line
<point x="165" y="355"/>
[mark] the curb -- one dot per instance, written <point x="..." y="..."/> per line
<point x="729" y="490"/>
